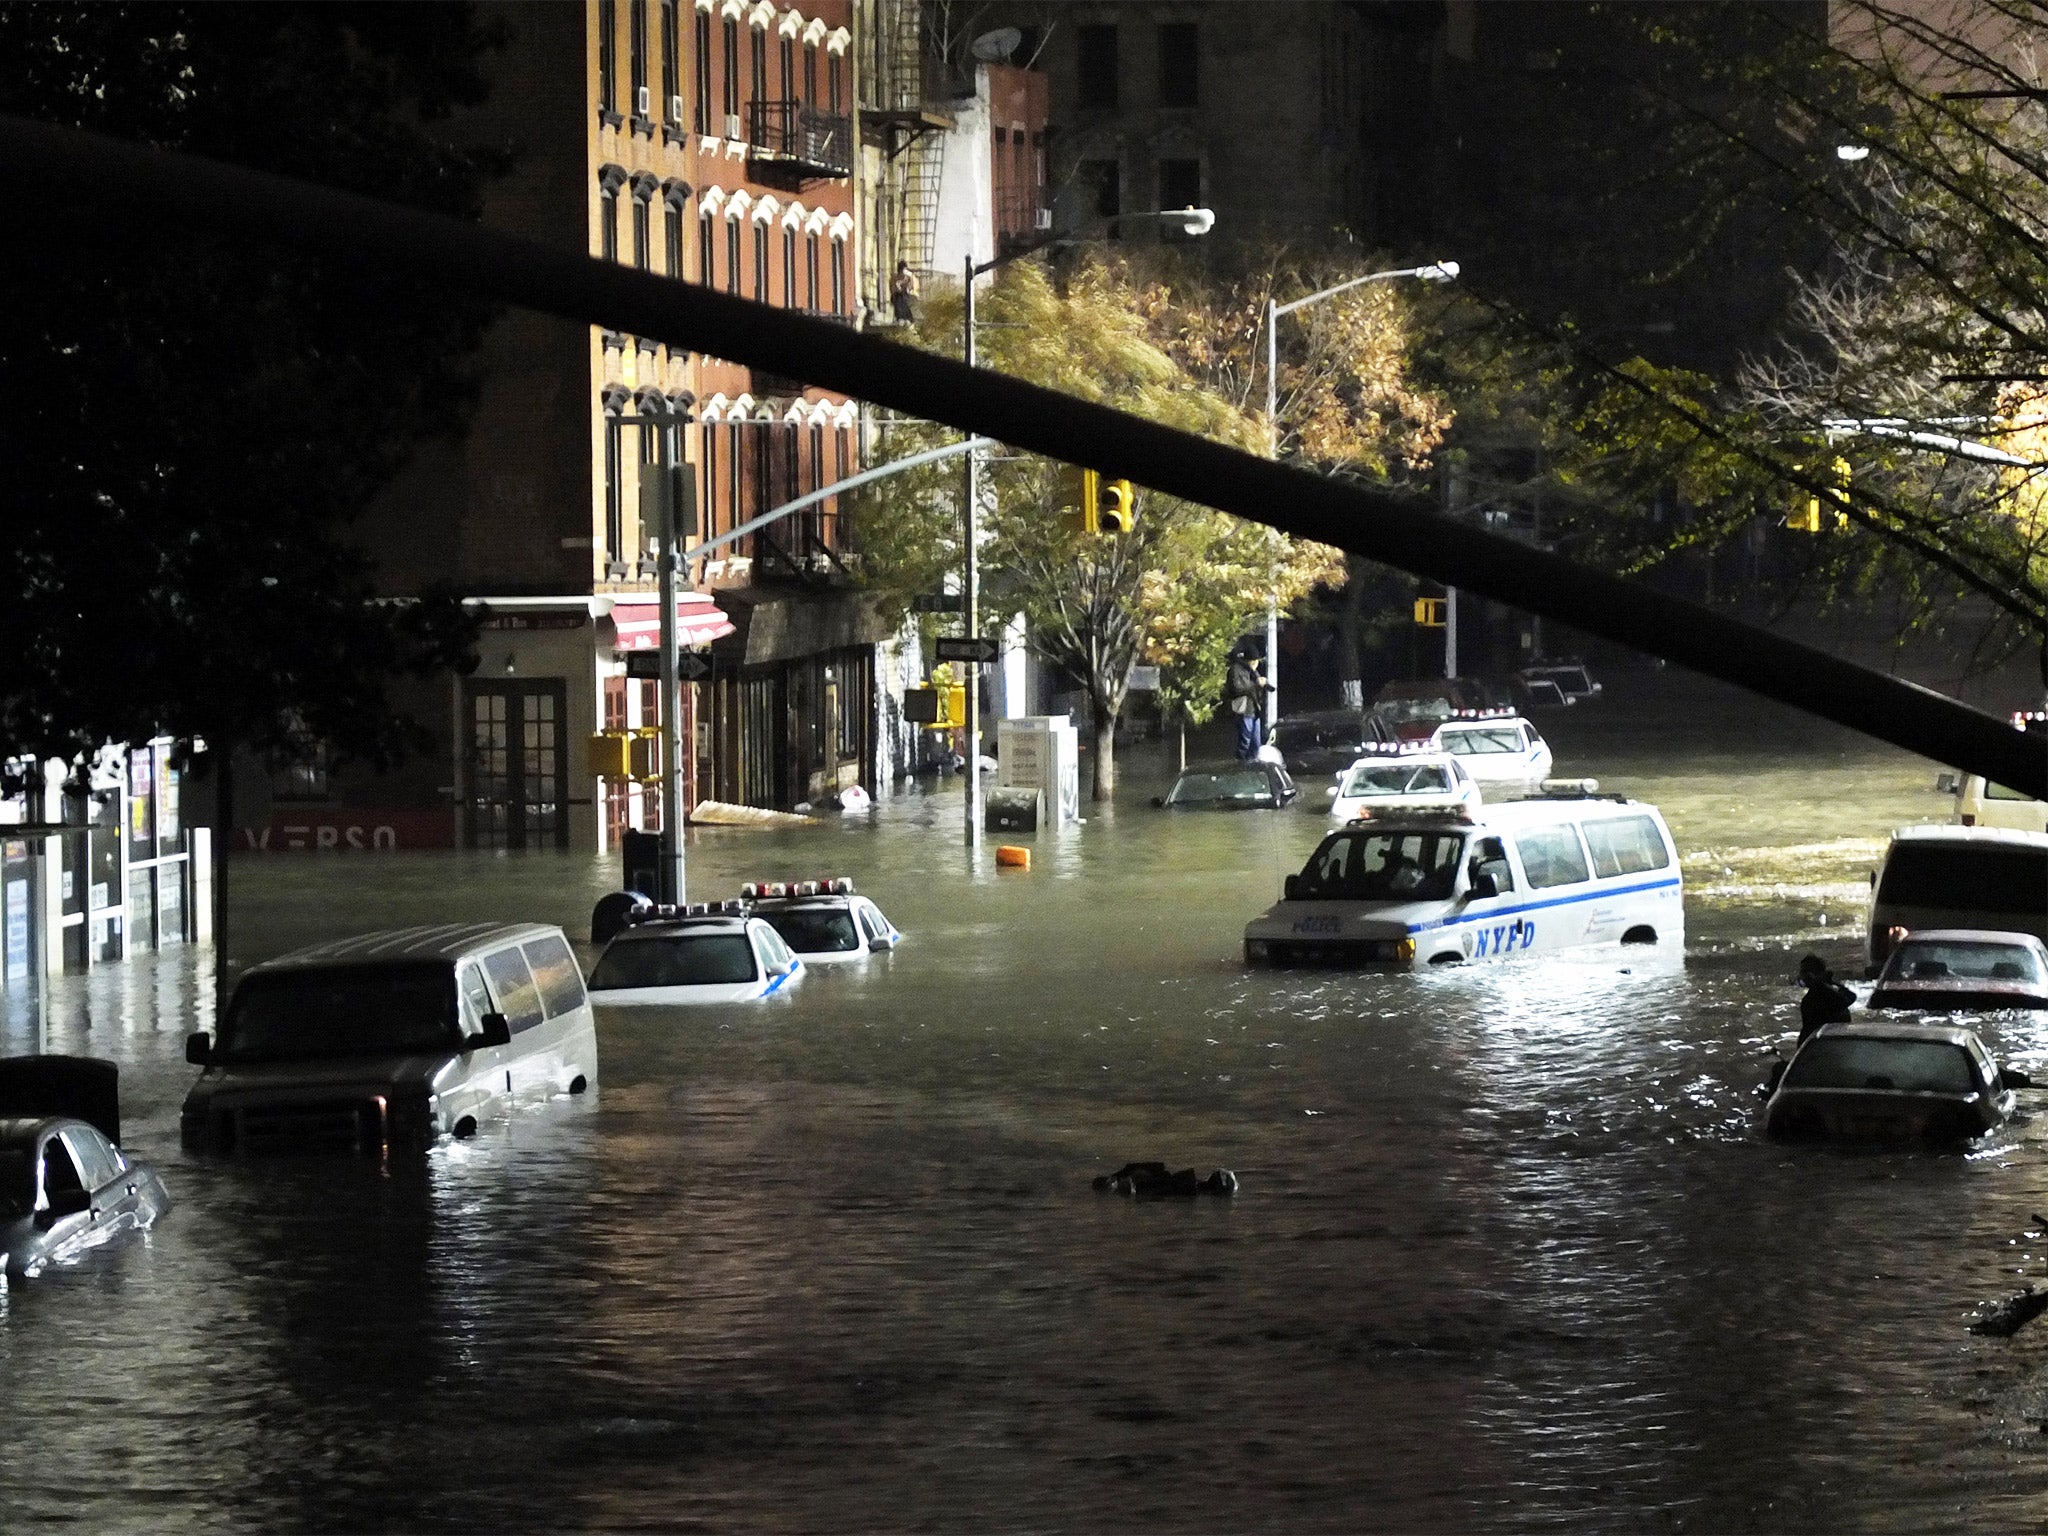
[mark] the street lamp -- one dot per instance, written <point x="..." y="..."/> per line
<point x="1189" y="222"/>
<point x="1435" y="272"/>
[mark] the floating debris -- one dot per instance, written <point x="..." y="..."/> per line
<point x="1152" y="1181"/>
<point x="2005" y="1318"/>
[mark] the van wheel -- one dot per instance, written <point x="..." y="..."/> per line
<point x="465" y="1128"/>
<point x="578" y="1083"/>
<point x="1643" y="934"/>
<point x="1448" y="957"/>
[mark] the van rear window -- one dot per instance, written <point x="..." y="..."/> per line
<point x="554" y="968"/>
<point x="1966" y="878"/>
<point x="1627" y="845"/>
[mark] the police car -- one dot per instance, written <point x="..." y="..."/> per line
<point x="824" y="921"/>
<point x="697" y="954"/>
<point x="1403" y="777"/>
<point x="1504" y="752"/>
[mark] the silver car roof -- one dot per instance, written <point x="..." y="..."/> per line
<point x="438" y="941"/>
<point x="1939" y="1034"/>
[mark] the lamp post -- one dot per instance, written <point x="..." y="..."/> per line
<point x="1190" y="221"/>
<point x="1435" y="272"/>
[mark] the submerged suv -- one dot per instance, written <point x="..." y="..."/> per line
<point x="392" y="1040"/>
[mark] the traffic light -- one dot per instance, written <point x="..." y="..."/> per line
<point x="1808" y="513"/>
<point x="1107" y="506"/>
<point x="1430" y="612"/>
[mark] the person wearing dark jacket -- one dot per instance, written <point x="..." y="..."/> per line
<point x="1826" y="1001"/>
<point x="1244" y="695"/>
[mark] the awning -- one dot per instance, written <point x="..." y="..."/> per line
<point x="698" y="622"/>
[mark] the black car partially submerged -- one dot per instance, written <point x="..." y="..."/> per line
<point x="1254" y="786"/>
<point x="65" y="1184"/>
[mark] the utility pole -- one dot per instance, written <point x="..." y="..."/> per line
<point x="667" y="459"/>
<point x="971" y="595"/>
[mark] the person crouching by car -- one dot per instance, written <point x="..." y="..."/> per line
<point x="1244" y="695"/>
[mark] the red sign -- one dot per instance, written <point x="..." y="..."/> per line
<point x="345" y="829"/>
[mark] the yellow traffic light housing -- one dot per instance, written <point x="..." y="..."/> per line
<point x="1431" y="612"/>
<point x="1115" y="506"/>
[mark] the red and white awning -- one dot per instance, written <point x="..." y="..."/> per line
<point x="699" y="621"/>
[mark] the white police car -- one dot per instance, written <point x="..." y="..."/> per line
<point x="1402" y="778"/>
<point x="824" y="921"/>
<point x="1501" y="750"/>
<point x="702" y="955"/>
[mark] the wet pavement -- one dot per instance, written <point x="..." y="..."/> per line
<point x="1509" y="1253"/>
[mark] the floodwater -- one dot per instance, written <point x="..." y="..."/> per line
<point x="1509" y="1253"/>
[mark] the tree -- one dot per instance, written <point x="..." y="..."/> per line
<point x="1182" y="578"/>
<point x="193" y="424"/>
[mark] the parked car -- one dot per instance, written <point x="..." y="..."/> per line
<point x="1891" y="1081"/>
<point x="392" y="1040"/>
<point x="1254" y="786"/>
<point x="1327" y="741"/>
<point x="1570" y="678"/>
<point x="1506" y="754"/>
<point x="1393" y="781"/>
<point x="824" y="921"/>
<point x="1939" y="970"/>
<point x="727" y="957"/>
<point x="65" y="1184"/>
<point x="1958" y="877"/>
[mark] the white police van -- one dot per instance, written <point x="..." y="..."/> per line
<point x="1526" y="877"/>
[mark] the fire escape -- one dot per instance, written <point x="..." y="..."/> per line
<point x="899" y="117"/>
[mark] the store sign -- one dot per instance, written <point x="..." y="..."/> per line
<point x="342" y="829"/>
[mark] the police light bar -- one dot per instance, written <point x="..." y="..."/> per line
<point x="1482" y="714"/>
<point x="1568" y="789"/>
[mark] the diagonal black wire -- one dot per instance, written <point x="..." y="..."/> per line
<point x="41" y="165"/>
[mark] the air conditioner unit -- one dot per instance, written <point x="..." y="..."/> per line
<point x="732" y="126"/>
<point x="675" y="111"/>
<point x="643" y="101"/>
<point x="1041" y="219"/>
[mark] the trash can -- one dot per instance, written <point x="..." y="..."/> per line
<point x="1012" y="809"/>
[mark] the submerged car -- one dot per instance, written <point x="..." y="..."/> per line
<point x="65" y="1184"/>
<point x="713" y="958"/>
<point x="1504" y="752"/>
<point x="1939" y="970"/>
<point x="1383" y="782"/>
<point x="1253" y="786"/>
<point x="392" y="1040"/>
<point x="1327" y="741"/>
<point x="825" y="921"/>
<point x="1893" y="1082"/>
<point x="1570" y="678"/>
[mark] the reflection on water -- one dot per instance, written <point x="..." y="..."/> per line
<point x="1508" y="1252"/>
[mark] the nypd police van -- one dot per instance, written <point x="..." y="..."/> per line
<point x="1418" y="888"/>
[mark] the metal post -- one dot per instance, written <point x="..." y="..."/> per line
<point x="1272" y="426"/>
<point x="971" y="531"/>
<point x="1450" y="631"/>
<point x="673" y="888"/>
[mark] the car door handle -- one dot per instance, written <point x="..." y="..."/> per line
<point x="132" y="1188"/>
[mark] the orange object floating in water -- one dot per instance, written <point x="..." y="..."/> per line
<point x="1010" y="856"/>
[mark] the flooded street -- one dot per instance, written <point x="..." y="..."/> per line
<point x="1509" y="1252"/>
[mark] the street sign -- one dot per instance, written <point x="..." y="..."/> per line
<point x="691" y="666"/>
<point x="1143" y="680"/>
<point x="971" y="648"/>
<point x="938" y="602"/>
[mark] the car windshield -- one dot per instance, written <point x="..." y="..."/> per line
<point x="1481" y="739"/>
<point x="814" y="930"/>
<point x="1414" y="709"/>
<point x="1939" y="960"/>
<point x="17" y="1182"/>
<point x="318" y="1012"/>
<point x="675" y="960"/>
<point x="1908" y="1066"/>
<point x="1199" y="786"/>
<point x="1397" y="779"/>
<point x="1383" y="866"/>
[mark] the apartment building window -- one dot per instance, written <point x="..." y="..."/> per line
<point x="841" y="469"/>
<point x="1179" y="65"/>
<point x="764" y="469"/>
<point x="811" y="274"/>
<point x="672" y="238"/>
<point x="793" y="468"/>
<point x="735" y="513"/>
<point x="818" y="481"/>
<point x="788" y="68"/>
<point x="788" y="268"/>
<point x="730" y="36"/>
<point x="761" y="261"/>
<point x="614" y="512"/>
<point x="810" y="75"/>
<point x="838" y="277"/>
<point x="708" y="452"/>
<point x="642" y="257"/>
<point x="671" y="63"/>
<point x="835" y="83"/>
<point x="607" y="56"/>
<point x="732" y="255"/>
<point x="1095" y="73"/>
<point x="1180" y="186"/>
<point x="636" y="54"/>
<point x="707" y="244"/>
<point x="608" y="212"/>
<point x="1102" y="187"/>
<point x="757" y="74"/>
<point x="701" y="114"/>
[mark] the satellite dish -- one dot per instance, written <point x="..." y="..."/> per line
<point x="997" y="46"/>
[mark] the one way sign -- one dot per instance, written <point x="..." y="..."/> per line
<point x="972" y="648"/>
<point x="691" y="666"/>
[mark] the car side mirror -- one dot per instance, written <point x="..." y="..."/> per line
<point x="493" y="1029"/>
<point x="1948" y="783"/>
<point x="199" y="1050"/>
<point x="1291" y="891"/>
<point x="2012" y="1077"/>
<point x="782" y="968"/>
<point x="71" y="1202"/>
<point x="877" y="946"/>
<point x="1484" y="884"/>
<point x="1160" y="801"/>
